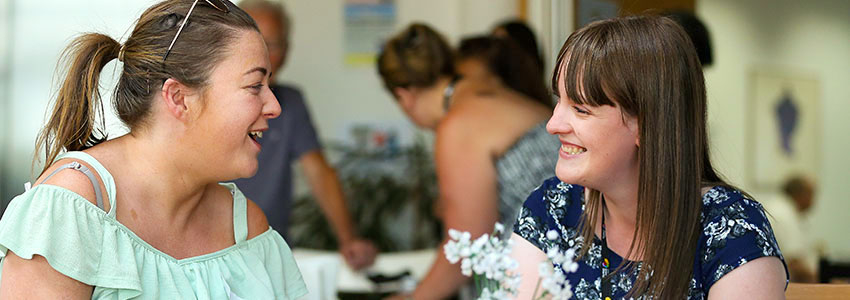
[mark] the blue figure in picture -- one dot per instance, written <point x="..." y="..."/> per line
<point x="787" y="114"/>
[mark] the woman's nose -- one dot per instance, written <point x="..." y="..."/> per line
<point x="271" y="106"/>
<point x="559" y="123"/>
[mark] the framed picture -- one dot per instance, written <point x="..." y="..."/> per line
<point x="785" y="126"/>
<point x="587" y="11"/>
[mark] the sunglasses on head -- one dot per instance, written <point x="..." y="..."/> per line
<point x="217" y="4"/>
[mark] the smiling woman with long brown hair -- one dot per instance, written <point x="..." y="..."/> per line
<point x="635" y="193"/>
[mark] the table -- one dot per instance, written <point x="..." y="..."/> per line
<point x="326" y="273"/>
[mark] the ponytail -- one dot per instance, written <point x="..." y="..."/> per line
<point x="71" y="126"/>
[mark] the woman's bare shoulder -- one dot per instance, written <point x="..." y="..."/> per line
<point x="257" y="222"/>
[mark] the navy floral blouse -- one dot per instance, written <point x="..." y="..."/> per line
<point x="735" y="231"/>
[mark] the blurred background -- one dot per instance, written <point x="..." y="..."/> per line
<point x="778" y="87"/>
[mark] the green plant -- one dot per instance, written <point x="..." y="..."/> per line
<point x="391" y="197"/>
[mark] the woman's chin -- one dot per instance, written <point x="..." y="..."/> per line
<point x="245" y="171"/>
<point x="571" y="178"/>
<point x="566" y="174"/>
<point x="250" y="172"/>
<point x="565" y="179"/>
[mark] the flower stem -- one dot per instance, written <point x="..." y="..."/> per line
<point x="535" y="290"/>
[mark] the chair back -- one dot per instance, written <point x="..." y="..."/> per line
<point x="817" y="291"/>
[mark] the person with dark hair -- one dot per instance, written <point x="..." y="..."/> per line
<point x="636" y="195"/>
<point x="697" y="32"/>
<point x="491" y="141"/>
<point x="294" y="139"/>
<point x="502" y="62"/>
<point x="518" y="32"/>
<point x="801" y="190"/>
<point x="788" y="215"/>
<point x="144" y="215"/>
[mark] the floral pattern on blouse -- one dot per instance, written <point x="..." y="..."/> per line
<point x="734" y="231"/>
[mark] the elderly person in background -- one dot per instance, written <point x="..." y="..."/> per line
<point x="292" y="138"/>
<point x="788" y="216"/>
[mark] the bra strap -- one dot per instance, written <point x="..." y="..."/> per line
<point x="81" y="168"/>
<point x="102" y="172"/>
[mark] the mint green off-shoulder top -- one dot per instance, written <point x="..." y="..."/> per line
<point x="88" y="244"/>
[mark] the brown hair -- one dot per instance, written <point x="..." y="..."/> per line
<point x="519" y="32"/>
<point x="796" y="185"/>
<point x="505" y="59"/>
<point x="416" y="57"/>
<point x="202" y="44"/>
<point x="647" y="66"/>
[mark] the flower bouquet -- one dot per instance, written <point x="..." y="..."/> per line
<point x="487" y="260"/>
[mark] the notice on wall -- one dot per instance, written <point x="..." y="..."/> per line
<point x="368" y="23"/>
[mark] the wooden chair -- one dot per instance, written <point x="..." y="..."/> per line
<point x="820" y="291"/>
<point x="830" y="270"/>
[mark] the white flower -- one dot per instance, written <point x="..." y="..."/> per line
<point x="498" y="294"/>
<point x="512" y="283"/>
<point x="566" y="292"/>
<point x="478" y="266"/>
<point x="488" y="259"/>
<point x="479" y="243"/>
<point x="555" y="282"/>
<point x="452" y="252"/>
<point x="552" y="235"/>
<point x="499" y="228"/>
<point x="454" y="234"/>
<point x="556" y="256"/>
<point x="466" y="267"/>
<point x="545" y="269"/>
<point x="570" y="265"/>
<point x="485" y="294"/>
<point x="465" y="252"/>
<point x="501" y="294"/>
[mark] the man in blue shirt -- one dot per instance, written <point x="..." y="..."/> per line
<point x="292" y="137"/>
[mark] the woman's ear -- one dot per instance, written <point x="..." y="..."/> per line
<point x="174" y="97"/>
<point x="179" y="99"/>
<point x="634" y="127"/>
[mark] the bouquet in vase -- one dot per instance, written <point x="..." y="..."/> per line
<point x="488" y="261"/>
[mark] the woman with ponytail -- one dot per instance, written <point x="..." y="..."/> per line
<point x="144" y="215"/>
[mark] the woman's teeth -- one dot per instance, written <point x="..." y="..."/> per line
<point x="256" y="135"/>
<point x="572" y="150"/>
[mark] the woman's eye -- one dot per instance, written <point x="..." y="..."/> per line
<point x="581" y="111"/>
<point x="257" y="87"/>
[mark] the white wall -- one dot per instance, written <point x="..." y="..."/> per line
<point x="5" y="111"/>
<point x="338" y="94"/>
<point x="806" y="36"/>
<point x="552" y="22"/>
